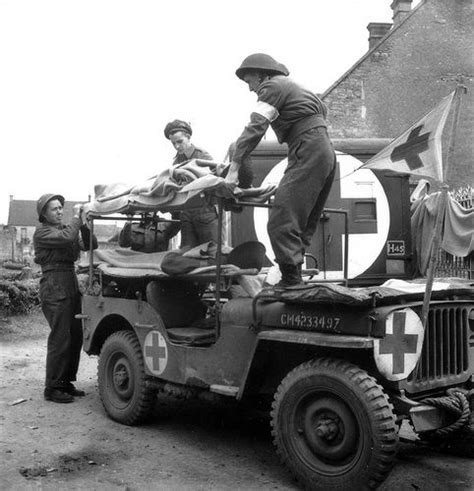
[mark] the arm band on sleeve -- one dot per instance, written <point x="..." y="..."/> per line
<point x="266" y="110"/>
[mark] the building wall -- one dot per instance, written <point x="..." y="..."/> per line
<point x="406" y="75"/>
<point x="20" y="249"/>
<point x="5" y="244"/>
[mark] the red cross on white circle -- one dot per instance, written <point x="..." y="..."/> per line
<point x="155" y="352"/>
<point x="397" y="353"/>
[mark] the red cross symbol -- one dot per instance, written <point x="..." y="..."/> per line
<point x="156" y="352"/>
<point x="410" y="150"/>
<point x="399" y="343"/>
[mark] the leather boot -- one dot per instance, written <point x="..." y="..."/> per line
<point x="70" y="389"/>
<point x="57" y="395"/>
<point x="290" y="276"/>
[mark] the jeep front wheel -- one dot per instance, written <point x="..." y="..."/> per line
<point x="123" y="387"/>
<point x="333" y="426"/>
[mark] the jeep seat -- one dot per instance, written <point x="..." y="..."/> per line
<point x="176" y="301"/>
<point x="191" y="336"/>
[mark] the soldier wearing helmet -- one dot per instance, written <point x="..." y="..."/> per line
<point x="298" y="118"/>
<point x="57" y="247"/>
<point x="198" y="225"/>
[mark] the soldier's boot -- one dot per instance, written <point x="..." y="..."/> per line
<point x="290" y="276"/>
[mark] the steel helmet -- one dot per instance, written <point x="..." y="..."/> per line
<point x="44" y="200"/>
<point x="263" y="62"/>
<point x="177" y="125"/>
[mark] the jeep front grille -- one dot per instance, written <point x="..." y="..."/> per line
<point x="445" y="355"/>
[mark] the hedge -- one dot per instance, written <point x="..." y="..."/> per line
<point x="18" y="297"/>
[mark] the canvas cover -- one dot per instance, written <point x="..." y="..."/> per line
<point x="390" y="292"/>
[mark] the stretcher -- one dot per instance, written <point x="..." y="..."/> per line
<point x="191" y="185"/>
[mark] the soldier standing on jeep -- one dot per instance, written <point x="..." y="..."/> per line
<point x="298" y="118"/>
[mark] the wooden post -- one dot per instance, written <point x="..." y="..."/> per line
<point x="438" y="230"/>
<point x="13" y="235"/>
<point x="434" y="253"/>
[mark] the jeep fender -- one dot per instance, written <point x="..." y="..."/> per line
<point x="295" y="346"/>
<point x="108" y="315"/>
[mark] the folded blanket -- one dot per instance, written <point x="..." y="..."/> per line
<point x="125" y="262"/>
<point x="125" y="258"/>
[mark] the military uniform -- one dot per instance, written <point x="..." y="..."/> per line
<point x="198" y="225"/>
<point x="298" y="118"/>
<point x="56" y="249"/>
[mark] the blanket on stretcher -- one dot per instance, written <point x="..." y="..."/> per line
<point x="189" y="186"/>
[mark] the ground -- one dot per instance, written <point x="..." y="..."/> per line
<point x="188" y="445"/>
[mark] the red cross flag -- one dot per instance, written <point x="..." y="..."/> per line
<point x="418" y="150"/>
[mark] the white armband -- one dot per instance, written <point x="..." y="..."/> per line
<point x="266" y="110"/>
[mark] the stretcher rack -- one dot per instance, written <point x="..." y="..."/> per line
<point x="219" y="277"/>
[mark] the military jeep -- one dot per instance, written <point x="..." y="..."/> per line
<point x="341" y="366"/>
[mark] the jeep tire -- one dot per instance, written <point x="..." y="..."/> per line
<point x="333" y="426"/>
<point x="123" y="386"/>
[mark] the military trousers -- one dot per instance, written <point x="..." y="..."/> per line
<point x="301" y="195"/>
<point x="60" y="302"/>
<point x="199" y="225"/>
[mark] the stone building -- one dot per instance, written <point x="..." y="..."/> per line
<point x="410" y="66"/>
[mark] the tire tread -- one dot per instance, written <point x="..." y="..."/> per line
<point x="145" y="394"/>
<point x="377" y="400"/>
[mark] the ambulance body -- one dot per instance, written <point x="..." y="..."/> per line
<point x="373" y="205"/>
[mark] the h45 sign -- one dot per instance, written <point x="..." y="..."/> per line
<point x="396" y="248"/>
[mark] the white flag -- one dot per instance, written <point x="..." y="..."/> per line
<point x="418" y="150"/>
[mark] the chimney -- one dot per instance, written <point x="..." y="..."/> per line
<point x="377" y="31"/>
<point x="401" y="8"/>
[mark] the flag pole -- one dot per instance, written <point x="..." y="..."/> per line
<point x="460" y="89"/>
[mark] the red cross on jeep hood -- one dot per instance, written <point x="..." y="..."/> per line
<point x="397" y="353"/>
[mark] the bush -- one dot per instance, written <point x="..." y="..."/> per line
<point x="18" y="297"/>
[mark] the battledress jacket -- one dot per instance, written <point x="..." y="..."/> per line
<point x="60" y="245"/>
<point x="192" y="153"/>
<point x="198" y="225"/>
<point x="289" y="108"/>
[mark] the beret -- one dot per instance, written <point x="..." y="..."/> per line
<point x="177" y="125"/>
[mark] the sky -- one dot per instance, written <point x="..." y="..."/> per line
<point x="87" y="87"/>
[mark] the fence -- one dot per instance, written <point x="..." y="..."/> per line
<point x="453" y="266"/>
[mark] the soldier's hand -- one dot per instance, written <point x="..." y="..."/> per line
<point x="77" y="210"/>
<point x="232" y="176"/>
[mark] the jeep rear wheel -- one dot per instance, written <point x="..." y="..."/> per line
<point x="123" y="387"/>
<point x="333" y="426"/>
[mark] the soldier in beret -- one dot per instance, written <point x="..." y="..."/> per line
<point x="198" y="225"/>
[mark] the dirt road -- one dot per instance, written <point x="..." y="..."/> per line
<point x="188" y="445"/>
